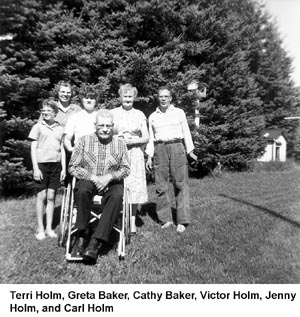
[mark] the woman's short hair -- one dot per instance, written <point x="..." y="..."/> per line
<point x="127" y="87"/>
<point x="89" y="93"/>
<point x="63" y="83"/>
<point x="50" y="102"/>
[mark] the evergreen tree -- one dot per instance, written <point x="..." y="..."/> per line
<point x="231" y="45"/>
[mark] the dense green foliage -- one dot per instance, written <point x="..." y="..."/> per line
<point x="229" y="44"/>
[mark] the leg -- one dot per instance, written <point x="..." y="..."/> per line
<point x="40" y="203"/>
<point x="51" y="193"/>
<point x="133" y="217"/>
<point x="161" y="173"/>
<point x="84" y="192"/>
<point x="112" y="204"/>
<point x="179" y="173"/>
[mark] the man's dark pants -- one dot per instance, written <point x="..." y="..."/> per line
<point x="111" y="204"/>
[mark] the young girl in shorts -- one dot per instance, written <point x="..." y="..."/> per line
<point x="48" y="160"/>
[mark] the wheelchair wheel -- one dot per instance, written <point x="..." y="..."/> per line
<point x="125" y="230"/>
<point x="64" y="215"/>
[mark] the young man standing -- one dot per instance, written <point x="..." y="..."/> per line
<point x="169" y="142"/>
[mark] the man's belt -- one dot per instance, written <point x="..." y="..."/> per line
<point x="169" y="141"/>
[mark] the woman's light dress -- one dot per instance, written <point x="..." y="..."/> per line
<point x="129" y="122"/>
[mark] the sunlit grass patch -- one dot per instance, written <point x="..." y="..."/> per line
<point x="245" y="229"/>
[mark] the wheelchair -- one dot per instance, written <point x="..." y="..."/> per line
<point x="67" y="230"/>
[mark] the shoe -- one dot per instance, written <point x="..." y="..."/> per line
<point x="180" y="228"/>
<point x="91" y="252"/>
<point x="78" y="248"/>
<point x="167" y="225"/>
<point x="40" y="235"/>
<point x="51" y="234"/>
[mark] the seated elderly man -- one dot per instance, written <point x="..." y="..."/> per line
<point x="100" y="163"/>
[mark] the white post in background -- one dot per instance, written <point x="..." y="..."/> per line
<point x="198" y="93"/>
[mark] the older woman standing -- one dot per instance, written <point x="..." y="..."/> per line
<point x="131" y="124"/>
<point x="64" y="92"/>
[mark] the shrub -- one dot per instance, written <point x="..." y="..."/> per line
<point x="15" y="179"/>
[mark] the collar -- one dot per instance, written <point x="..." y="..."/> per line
<point x="103" y="142"/>
<point x="170" y="108"/>
<point x="125" y="110"/>
<point x="55" y="124"/>
<point x="66" y="109"/>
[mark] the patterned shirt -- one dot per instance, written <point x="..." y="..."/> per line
<point x="169" y="125"/>
<point x="91" y="157"/>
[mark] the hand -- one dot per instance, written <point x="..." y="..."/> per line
<point x="193" y="156"/>
<point x="62" y="175"/>
<point x="149" y="164"/>
<point x="130" y="141"/>
<point x="37" y="175"/>
<point x="101" y="182"/>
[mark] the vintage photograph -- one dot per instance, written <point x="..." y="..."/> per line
<point x="150" y="142"/>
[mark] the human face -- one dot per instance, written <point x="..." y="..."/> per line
<point x="164" y="97"/>
<point x="48" y="114"/>
<point x="104" y="128"/>
<point x="64" y="95"/>
<point x="127" y="99"/>
<point x="89" y="104"/>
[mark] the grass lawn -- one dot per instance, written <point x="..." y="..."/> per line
<point x="245" y="229"/>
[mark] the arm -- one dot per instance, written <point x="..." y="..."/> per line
<point x="37" y="174"/>
<point x="69" y="133"/>
<point x="101" y="182"/>
<point x="187" y="136"/>
<point x="63" y="162"/>
<point x="124" y="166"/>
<point x="68" y="143"/>
<point x="143" y="139"/>
<point x="75" y="166"/>
<point x="150" y="148"/>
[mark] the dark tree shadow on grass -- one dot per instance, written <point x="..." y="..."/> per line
<point x="264" y="209"/>
<point x="150" y="210"/>
<point x="56" y="216"/>
<point x="139" y="221"/>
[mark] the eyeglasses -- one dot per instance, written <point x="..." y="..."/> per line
<point x="101" y="126"/>
<point x="47" y="111"/>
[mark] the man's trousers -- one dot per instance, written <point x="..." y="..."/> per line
<point x="170" y="163"/>
<point x="111" y="204"/>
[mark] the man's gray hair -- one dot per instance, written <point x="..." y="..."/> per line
<point x="127" y="87"/>
<point x="104" y="113"/>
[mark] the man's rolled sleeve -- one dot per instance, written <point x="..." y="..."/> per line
<point x="188" y="141"/>
<point x="150" y="145"/>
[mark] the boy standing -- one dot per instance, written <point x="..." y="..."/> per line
<point x="48" y="160"/>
